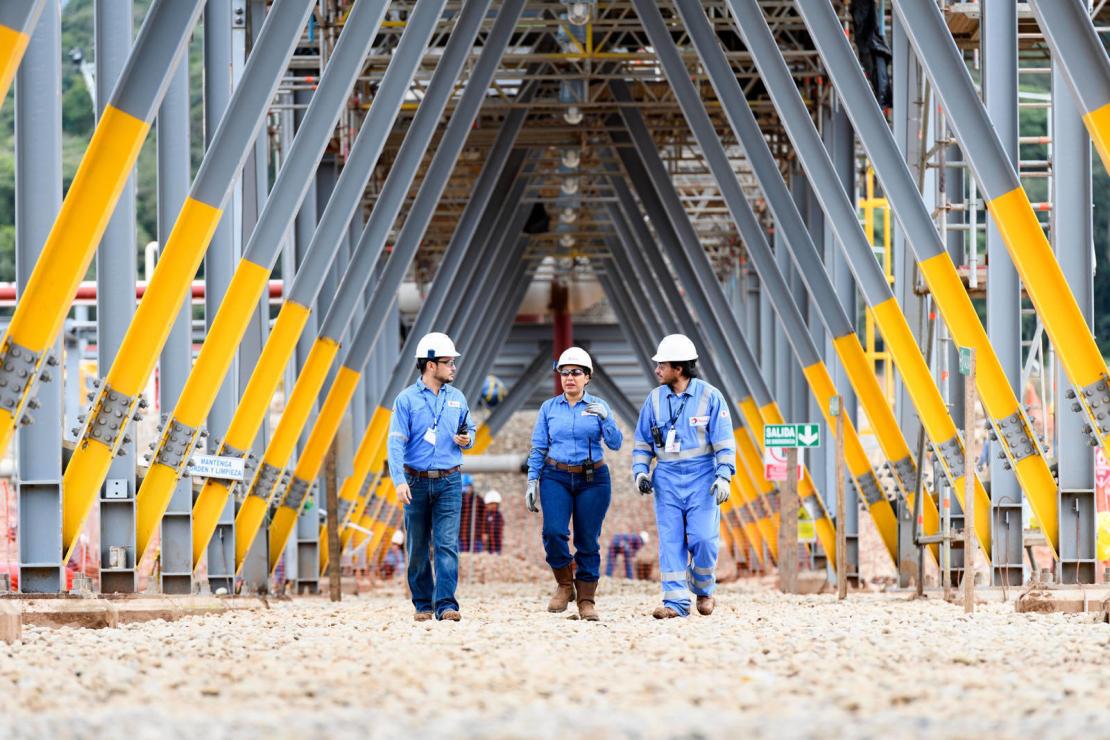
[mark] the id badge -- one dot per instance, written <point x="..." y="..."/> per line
<point x="672" y="441"/>
<point x="430" y="436"/>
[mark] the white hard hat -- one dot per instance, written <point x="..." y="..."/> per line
<point x="435" y="345"/>
<point x="575" y="356"/>
<point x="492" y="497"/>
<point x="675" y="348"/>
<point x="645" y="536"/>
<point x="398" y="537"/>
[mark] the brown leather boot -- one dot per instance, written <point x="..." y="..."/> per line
<point x="586" y="591"/>
<point x="705" y="605"/>
<point x="564" y="593"/>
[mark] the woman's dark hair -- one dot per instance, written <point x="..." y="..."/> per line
<point x="689" y="368"/>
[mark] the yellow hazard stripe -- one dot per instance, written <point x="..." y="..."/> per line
<point x="267" y="375"/>
<point x="12" y="46"/>
<point x="1098" y="126"/>
<point x="327" y="423"/>
<point x="248" y="284"/>
<point x="298" y="407"/>
<point x="170" y="286"/>
<point x="280" y="526"/>
<point x="247" y="522"/>
<point x="73" y="239"/>
<point x="209" y="505"/>
<point x="90" y="461"/>
<point x="1047" y="287"/>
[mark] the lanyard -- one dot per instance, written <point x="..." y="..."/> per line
<point x="431" y="409"/>
<point x="681" y="406"/>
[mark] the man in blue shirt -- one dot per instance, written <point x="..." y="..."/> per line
<point x="429" y="429"/>
<point x="686" y="425"/>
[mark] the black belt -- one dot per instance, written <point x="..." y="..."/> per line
<point x="432" y="474"/>
<point x="580" y="468"/>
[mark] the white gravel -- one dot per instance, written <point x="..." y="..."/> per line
<point x="763" y="665"/>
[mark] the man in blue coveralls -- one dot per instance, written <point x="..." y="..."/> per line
<point x="686" y="425"/>
<point x="430" y="428"/>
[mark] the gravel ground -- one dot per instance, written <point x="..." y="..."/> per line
<point x="764" y="664"/>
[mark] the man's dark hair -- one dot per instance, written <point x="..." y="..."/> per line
<point x="689" y="368"/>
<point x="423" y="363"/>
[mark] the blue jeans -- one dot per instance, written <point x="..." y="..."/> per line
<point x="566" y="497"/>
<point x="432" y="521"/>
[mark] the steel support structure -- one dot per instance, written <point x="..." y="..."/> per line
<point x="241" y="305"/>
<point x="266" y="478"/>
<point x="1026" y="242"/>
<point x="999" y="56"/>
<point x="115" y="284"/>
<point x="794" y="326"/>
<point x="18" y="21"/>
<point x="407" y="243"/>
<point x="518" y="395"/>
<point x="756" y="404"/>
<point x="1006" y="414"/>
<point x="83" y="217"/>
<point x="222" y="68"/>
<point x="176" y="569"/>
<point x="118" y="397"/>
<point x="38" y="196"/>
<point x="1073" y="238"/>
<point x="321" y="252"/>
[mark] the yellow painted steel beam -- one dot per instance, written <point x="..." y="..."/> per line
<point x="483" y="438"/>
<point x="933" y="412"/>
<point x="15" y="35"/>
<point x="308" y="467"/>
<point x="70" y="247"/>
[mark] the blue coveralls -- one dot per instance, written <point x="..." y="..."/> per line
<point x="686" y="510"/>
<point x="568" y="435"/>
<point x="432" y="517"/>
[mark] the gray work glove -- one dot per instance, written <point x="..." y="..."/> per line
<point x="530" y="495"/>
<point x="721" y="490"/>
<point x="643" y="483"/>
<point x="598" y="410"/>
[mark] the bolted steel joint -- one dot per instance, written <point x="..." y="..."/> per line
<point x="907" y="473"/>
<point x="952" y="453"/>
<point x="264" y="482"/>
<point x="175" y="446"/>
<point x="1016" y="435"/>
<point x="20" y="369"/>
<point x="1096" y="401"/>
<point x="869" y="489"/>
<point x="109" y="415"/>
<point x="298" y="491"/>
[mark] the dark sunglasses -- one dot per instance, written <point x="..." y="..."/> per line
<point x="571" y="373"/>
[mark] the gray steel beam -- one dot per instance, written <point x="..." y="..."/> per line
<point x="517" y="396"/>
<point x="402" y="173"/>
<point x="999" y="40"/>
<point x="38" y="196"/>
<point x="254" y="571"/>
<point x="176" y="570"/>
<point x="484" y="338"/>
<point x="115" y="305"/>
<point x="498" y="328"/>
<point x="220" y="75"/>
<point x="658" y="313"/>
<point x="1073" y="238"/>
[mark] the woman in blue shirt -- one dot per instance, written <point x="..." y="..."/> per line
<point x="568" y="472"/>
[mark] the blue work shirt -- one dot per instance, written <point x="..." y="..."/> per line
<point x="569" y="435"/>
<point x="703" y="429"/>
<point x="416" y="410"/>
